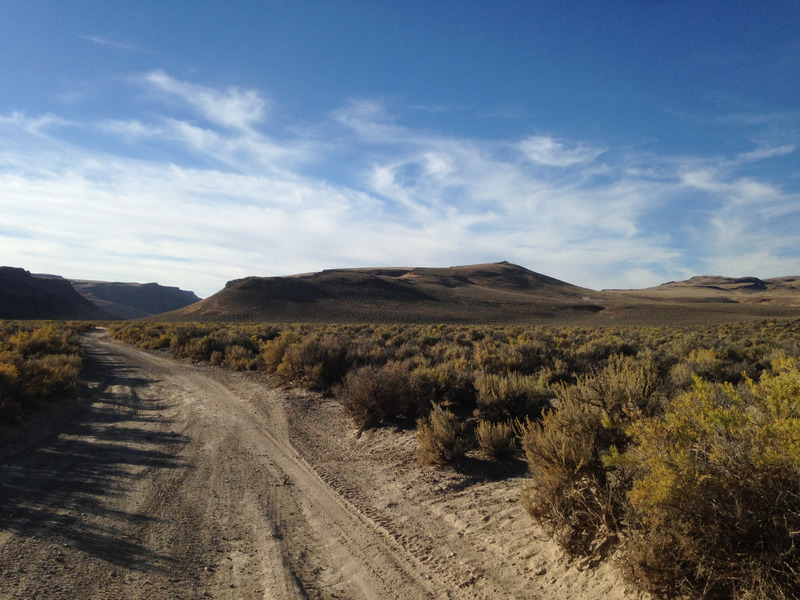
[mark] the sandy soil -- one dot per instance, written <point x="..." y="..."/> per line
<point x="170" y="480"/>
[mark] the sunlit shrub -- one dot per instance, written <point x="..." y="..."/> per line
<point x="571" y="493"/>
<point x="716" y="502"/>
<point x="315" y="361"/>
<point x="272" y="350"/>
<point x="9" y="387"/>
<point x="440" y="436"/>
<point x="239" y="358"/>
<point x="702" y="362"/>
<point x="198" y="349"/>
<point x="43" y="340"/>
<point x="50" y="374"/>
<point x="37" y="360"/>
<point x="627" y="387"/>
<point x="446" y="383"/>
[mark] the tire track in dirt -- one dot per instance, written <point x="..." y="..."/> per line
<point x="180" y="481"/>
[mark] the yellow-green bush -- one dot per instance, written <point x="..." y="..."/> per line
<point x="448" y="383"/>
<point x="715" y="503"/>
<point x="239" y="358"/>
<point x="50" y="374"/>
<point x="37" y="360"/>
<point x="315" y="361"/>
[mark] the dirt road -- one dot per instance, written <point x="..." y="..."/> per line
<point x="171" y="480"/>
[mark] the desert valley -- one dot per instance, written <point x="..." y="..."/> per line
<point x="479" y="431"/>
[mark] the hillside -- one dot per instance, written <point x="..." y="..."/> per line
<point x="706" y="299"/>
<point x="487" y="293"/>
<point x="494" y="293"/>
<point x="742" y="289"/>
<point x="133" y="300"/>
<point x="23" y="296"/>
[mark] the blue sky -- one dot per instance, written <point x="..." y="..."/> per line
<point x="608" y="144"/>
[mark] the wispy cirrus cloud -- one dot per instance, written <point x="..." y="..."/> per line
<point x="232" y="199"/>
<point x="232" y="107"/>
<point x="34" y="125"/>
<point x="763" y="152"/>
<point x="548" y="151"/>
<point x="105" y="41"/>
<point x="130" y="129"/>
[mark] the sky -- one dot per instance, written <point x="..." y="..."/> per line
<point x="613" y="144"/>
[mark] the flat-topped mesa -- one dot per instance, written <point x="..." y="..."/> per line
<point x="134" y="300"/>
<point x="732" y="284"/>
<point x="25" y="296"/>
<point x="482" y="293"/>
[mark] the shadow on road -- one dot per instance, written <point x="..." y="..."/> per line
<point x="62" y="484"/>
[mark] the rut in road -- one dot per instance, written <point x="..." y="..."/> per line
<point x="180" y="481"/>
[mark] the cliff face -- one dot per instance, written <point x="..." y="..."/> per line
<point x="134" y="300"/>
<point x="23" y="296"/>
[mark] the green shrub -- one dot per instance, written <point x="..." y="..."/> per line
<point x="196" y="349"/>
<point x="446" y="383"/>
<point x="185" y="341"/>
<point x="50" y="374"/>
<point x="715" y="507"/>
<point x="440" y="436"/>
<point x="9" y="386"/>
<point x="44" y="340"/>
<point x="272" y="350"/>
<point x="626" y="387"/>
<point x="37" y="361"/>
<point x="217" y="358"/>
<point x="703" y="362"/>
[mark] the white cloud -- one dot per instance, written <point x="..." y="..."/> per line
<point x="34" y="125"/>
<point x="233" y="107"/>
<point x="550" y="152"/>
<point x="234" y="201"/>
<point x="105" y="41"/>
<point x="764" y="152"/>
<point x="131" y="129"/>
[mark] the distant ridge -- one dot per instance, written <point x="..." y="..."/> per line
<point x="485" y="293"/>
<point x="716" y="288"/>
<point x="492" y="293"/>
<point x="133" y="300"/>
<point x="23" y="296"/>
